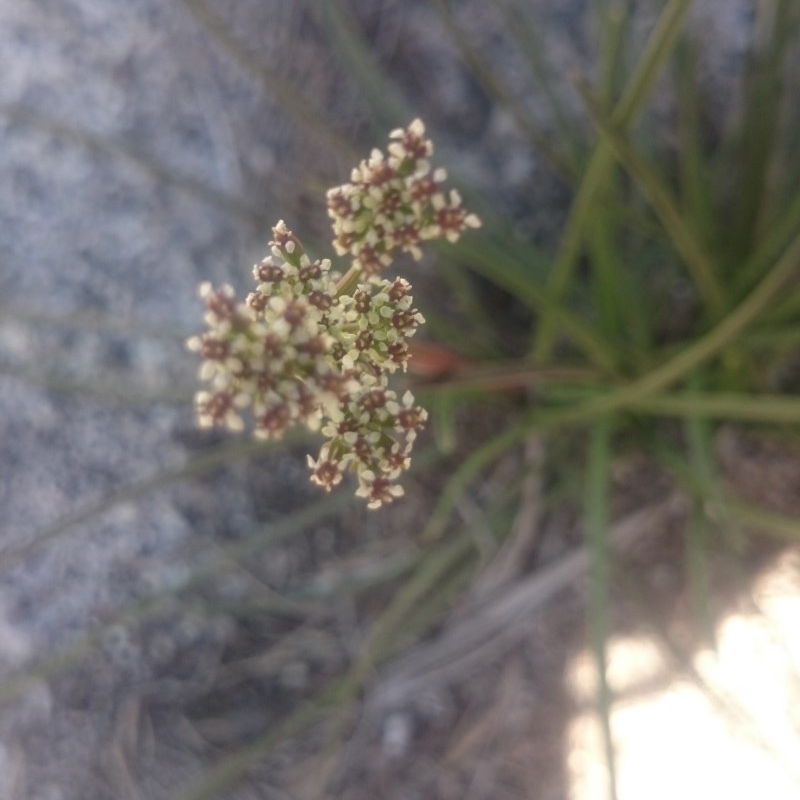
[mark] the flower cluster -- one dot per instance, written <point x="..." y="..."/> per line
<point x="266" y="353"/>
<point x="394" y="202"/>
<point x="296" y="353"/>
<point x="310" y="347"/>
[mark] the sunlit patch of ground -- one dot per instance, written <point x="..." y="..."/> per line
<point x="729" y="726"/>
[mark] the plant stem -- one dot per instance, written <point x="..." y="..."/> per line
<point x="597" y="527"/>
<point x="348" y="281"/>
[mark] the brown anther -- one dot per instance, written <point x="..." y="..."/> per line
<point x="369" y="260"/>
<point x="221" y="305"/>
<point x="244" y="371"/>
<point x="273" y="345"/>
<point x="363" y="450"/>
<point x="422" y="189"/>
<point x="362" y="301"/>
<point x="257" y="301"/>
<point x="414" y="145"/>
<point x="364" y="340"/>
<point x="266" y="382"/>
<point x="338" y="352"/>
<point x="307" y="402"/>
<point x="345" y="240"/>
<point x="411" y="418"/>
<point x="321" y="300"/>
<point x="398" y="352"/>
<point x="294" y="313"/>
<point x="406" y="235"/>
<point x="373" y="400"/>
<point x="398" y="290"/>
<point x="380" y="491"/>
<point x="451" y="218"/>
<point x="327" y="474"/>
<point x="333" y="383"/>
<point x="217" y="406"/>
<point x="287" y="243"/>
<point x="276" y="419"/>
<point x="347" y="426"/>
<point x="382" y="174"/>
<point x="267" y="272"/>
<point x="338" y="204"/>
<point x="214" y="349"/>
<point x="311" y="272"/>
<point x="313" y="346"/>
<point x="397" y="460"/>
<point x="391" y="202"/>
<point x="405" y="320"/>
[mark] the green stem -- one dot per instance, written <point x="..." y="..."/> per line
<point x="348" y="281"/>
<point x="702" y="465"/>
<point x="597" y="487"/>
<point x="506" y="377"/>
<point x="773" y="409"/>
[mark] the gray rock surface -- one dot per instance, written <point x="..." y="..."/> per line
<point x="119" y="161"/>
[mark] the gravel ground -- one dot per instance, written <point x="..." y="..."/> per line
<point x="137" y="159"/>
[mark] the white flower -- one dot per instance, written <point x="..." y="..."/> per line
<point x="306" y="349"/>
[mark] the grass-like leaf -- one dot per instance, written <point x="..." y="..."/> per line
<point x="681" y="234"/>
<point x="598" y="600"/>
<point x="659" y="46"/>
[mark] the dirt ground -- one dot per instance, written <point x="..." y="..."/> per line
<point x="145" y="630"/>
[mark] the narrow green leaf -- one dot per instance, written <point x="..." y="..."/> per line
<point x="696" y="201"/>
<point x="489" y="257"/>
<point x="638" y="88"/>
<point x="597" y="527"/>
<point x="615" y="22"/>
<point x="702" y="464"/>
<point x="768" y="409"/>
<point x="759" y="125"/>
<point x="681" y="234"/>
<point x="610" y="298"/>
